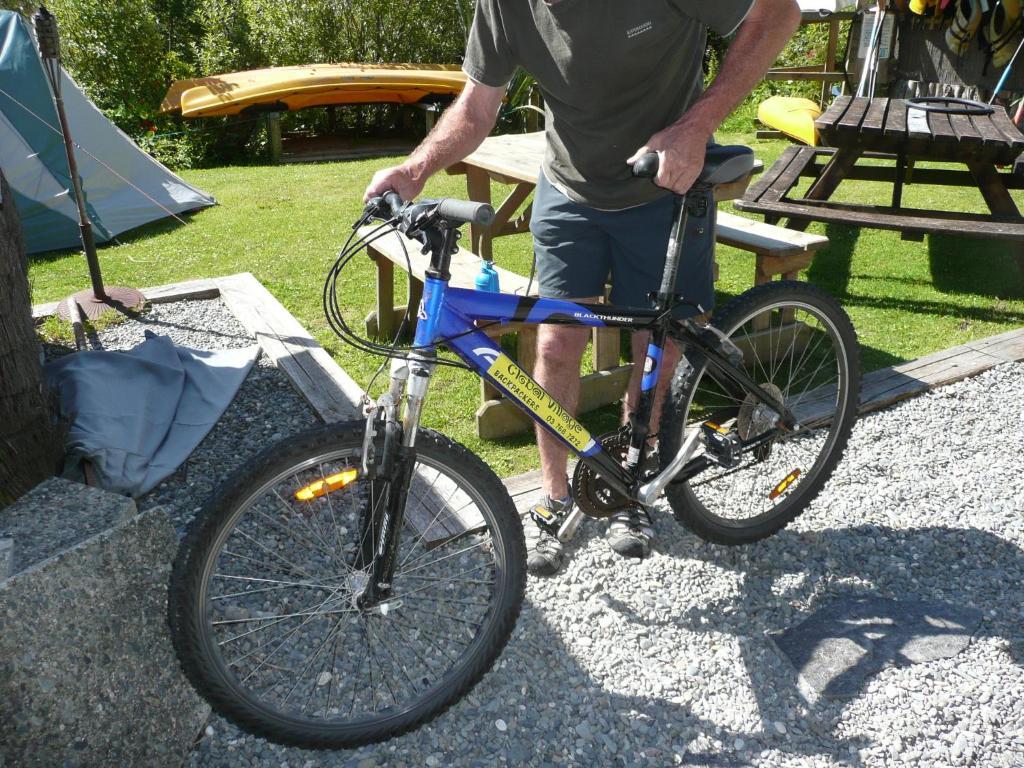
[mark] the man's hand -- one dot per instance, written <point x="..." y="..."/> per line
<point x="397" y="179"/>
<point x="681" y="149"/>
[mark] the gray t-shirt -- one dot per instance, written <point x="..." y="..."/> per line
<point x="612" y="72"/>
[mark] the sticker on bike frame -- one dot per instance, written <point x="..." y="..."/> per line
<point x="524" y="389"/>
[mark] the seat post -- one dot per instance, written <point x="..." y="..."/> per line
<point x="694" y="202"/>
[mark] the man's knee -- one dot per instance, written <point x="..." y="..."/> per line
<point x="560" y="346"/>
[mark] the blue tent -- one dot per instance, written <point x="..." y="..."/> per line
<point x="124" y="187"/>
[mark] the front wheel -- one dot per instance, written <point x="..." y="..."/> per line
<point x="799" y="345"/>
<point x="268" y="605"/>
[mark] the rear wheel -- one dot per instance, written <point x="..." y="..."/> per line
<point x="798" y="345"/>
<point x="268" y="592"/>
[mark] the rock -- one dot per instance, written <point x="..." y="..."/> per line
<point x="85" y="635"/>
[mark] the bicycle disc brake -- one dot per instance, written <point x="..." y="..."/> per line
<point x="592" y="494"/>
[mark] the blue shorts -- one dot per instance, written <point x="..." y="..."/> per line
<point x="580" y="249"/>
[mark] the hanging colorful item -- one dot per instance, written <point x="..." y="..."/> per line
<point x="1001" y="30"/>
<point x="965" y="24"/>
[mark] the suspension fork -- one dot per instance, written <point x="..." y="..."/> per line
<point x="384" y="515"/>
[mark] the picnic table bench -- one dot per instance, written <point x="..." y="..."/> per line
<point x="516" y="160"/>
<point x="893" y="130"/>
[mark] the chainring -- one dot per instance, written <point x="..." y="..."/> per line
<point x="594" y="497"/>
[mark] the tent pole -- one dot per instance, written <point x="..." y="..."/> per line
<point x="84" y="224"/>
<point x="100" y="300"/>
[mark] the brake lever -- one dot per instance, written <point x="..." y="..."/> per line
<point x="372" y="210"/>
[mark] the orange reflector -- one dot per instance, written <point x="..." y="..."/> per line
<point x="719" y="429"/>
<point x="780" y="489"/>
<point x="328" y="484"/>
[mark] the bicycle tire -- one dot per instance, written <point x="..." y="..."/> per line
<point x="764" y="318"/>
<point x="211" y="630"/>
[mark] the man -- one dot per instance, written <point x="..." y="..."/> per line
<point x="619" y="79"/>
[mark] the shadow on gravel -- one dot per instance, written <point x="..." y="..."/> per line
<point x="546" y="703"/>
<point x="962" y="566"/>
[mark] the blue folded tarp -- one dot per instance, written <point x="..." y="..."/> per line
<point x="138" y="415"/>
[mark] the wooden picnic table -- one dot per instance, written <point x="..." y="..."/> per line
<point x="890" y="129"/>
<point x="516" y="159"/>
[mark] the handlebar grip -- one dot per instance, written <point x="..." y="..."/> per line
<point x="393" y="203"/>
<point x="647" y="166"/>
<point x="464" y="211"/>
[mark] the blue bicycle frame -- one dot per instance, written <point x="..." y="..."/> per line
<point x="447" y="315"/>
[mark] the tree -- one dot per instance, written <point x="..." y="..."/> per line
<point x="30" y="441"/>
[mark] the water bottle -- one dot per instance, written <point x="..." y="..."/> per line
<point x="487" y="277"/>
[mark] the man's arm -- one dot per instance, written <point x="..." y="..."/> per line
<point x="459" y="131"/>
<point x="761" y="36"/>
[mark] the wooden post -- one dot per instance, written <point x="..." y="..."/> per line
<point x="31" y="445"/>
<point x="532" y="115"/>
<point x="274" y="135"/>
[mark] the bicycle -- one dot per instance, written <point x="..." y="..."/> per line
<point x="354" y="581"/>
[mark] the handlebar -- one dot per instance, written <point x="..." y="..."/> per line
<point x="415" y="216"/>
<point x="647" y="166"/>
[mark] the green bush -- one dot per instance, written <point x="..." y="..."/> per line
<point x="117" y="54"/>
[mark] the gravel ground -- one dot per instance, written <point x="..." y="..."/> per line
<point x="266" y="408"/>
<point x="665" y="662"/>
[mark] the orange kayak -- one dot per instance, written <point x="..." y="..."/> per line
<point x="313" y="85"/>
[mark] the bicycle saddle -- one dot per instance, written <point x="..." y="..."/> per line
<point x="726" y="164"/>
<point x="722" y="165"/>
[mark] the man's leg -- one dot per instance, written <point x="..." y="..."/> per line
<point x="669" y="359"/>
<point x="559" y="353"/>
<point x="572" y="262"/>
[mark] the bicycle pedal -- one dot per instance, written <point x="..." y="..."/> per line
<point x="722" y="445"/>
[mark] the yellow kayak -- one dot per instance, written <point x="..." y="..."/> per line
<point x="792" y="115"/>
<point x="313" y="85"/>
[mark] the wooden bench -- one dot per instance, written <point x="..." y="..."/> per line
<point x="496" y="417"/>
<point x="778" y="251"/>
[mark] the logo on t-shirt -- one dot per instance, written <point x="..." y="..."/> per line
<point x="639" y="29"/>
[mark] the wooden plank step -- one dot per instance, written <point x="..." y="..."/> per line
<point x="190" y="290"/>
<point x="1008" y="347"/>
<point x="764" y="239"/>
<point x="331" y="392"/>
<point x="465" y="265"/>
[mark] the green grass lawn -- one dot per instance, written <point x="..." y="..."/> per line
<point x="284" y="224"/>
